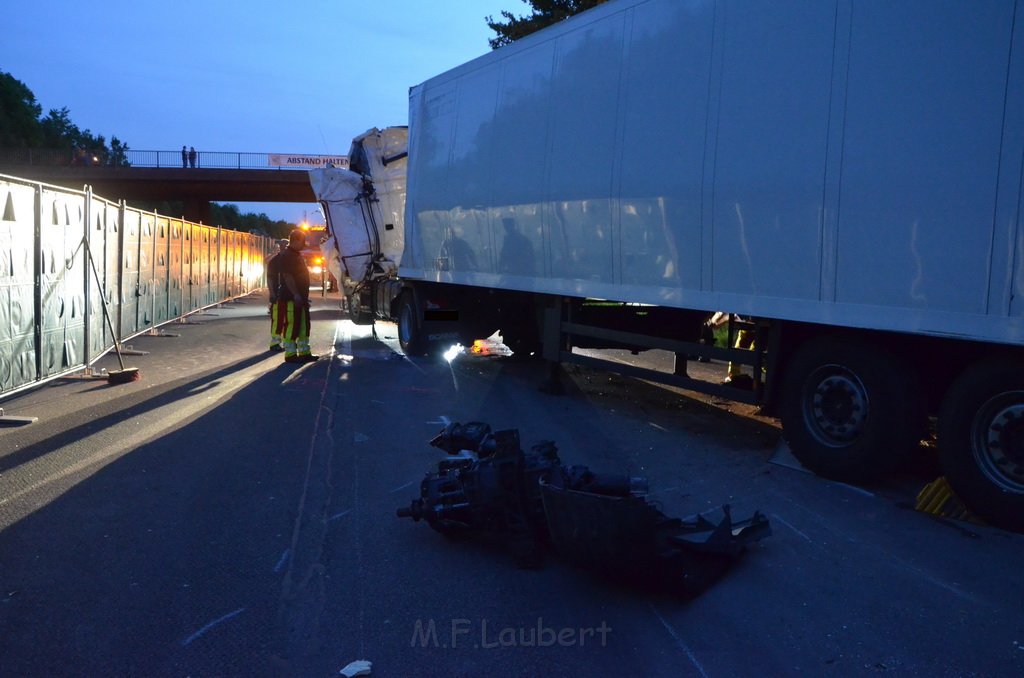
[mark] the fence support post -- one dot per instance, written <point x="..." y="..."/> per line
<point x="120" y="273"/>
<point x="37" y="266"/>
<point x="87" y="218"/>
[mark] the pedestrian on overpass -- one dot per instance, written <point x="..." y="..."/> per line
<point x="184" y="158"/>
<point x="273" y="267"/>
<point x="192" y="156"/>
<point x="293" y="301"/>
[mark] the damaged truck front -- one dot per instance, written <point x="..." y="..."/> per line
<point x="853" y="195"/>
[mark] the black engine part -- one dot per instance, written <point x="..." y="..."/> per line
<point x="488" y="485"/>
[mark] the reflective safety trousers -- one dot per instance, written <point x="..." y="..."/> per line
<point x="293" y="321"/>
<point x="275" y="328"/>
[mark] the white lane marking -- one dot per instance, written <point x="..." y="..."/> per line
<point x="660" y="428"/>
<point x="322" y="410"/>
<point x="284" y="559"/>
<point x="443" y="420"/>
<point x="211" y="625"/>
<point x="346" y="341"/>
<point x="887" y="557"/>
<point x="927" y="577"/>
<point x="679" y="641"/>
<point x="339" y="515"/>
<point x="858" y="490"/>
<point x="411" y="482"/>
<point x="409" y="360"/>
<point x="775" y="516"/>
<point x="665" y="491"/>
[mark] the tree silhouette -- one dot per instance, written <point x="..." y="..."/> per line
<point x="23" y="126"/>
<point x="19" y="114"/>
<point x="544" y="13"/>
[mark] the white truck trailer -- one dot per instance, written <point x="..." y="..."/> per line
<point x="845" y="173"/>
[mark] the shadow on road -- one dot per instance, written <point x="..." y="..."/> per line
<point x="168" y="559"/>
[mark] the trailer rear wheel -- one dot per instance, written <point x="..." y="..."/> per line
<point x="981" y="441"/>
<point x="410" y="325"/>
<point x="851" y="411"/>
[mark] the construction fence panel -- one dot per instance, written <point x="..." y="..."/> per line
<point x="254" y="263"/>
<point x="189" y="265"/>
<point x="131" y="228"/>
<point x="102" y="235"/>
<point x="62" y="281"/>
<point x="245" y="272"/>
<point x="17" y="284"/>
<point x="198" y="268"/>
<point x="224" y="279"/>
<point x="232" y="266"/>
<point x="248" y="257"/>
<point x="162" y="271"/>
<point x="176" y="269"/>
<point x="248" y="261"/>
<point x="145" y="270"/>
<point x="206" y="254"/>
<point x="266" y="249"/>
<point x="112" y="280"/>
<point x="216" y="282"/>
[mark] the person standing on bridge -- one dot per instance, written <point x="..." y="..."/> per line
<point x="273" y="267"/>
<point x="192" y="157"/>
<point x="184" y="158"/>
<point x="293" y="301"/>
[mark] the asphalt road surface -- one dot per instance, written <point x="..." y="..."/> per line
<point x="231" y="514"/>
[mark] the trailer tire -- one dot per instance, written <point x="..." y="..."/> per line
<point x="410" y="325"/>
<point x="850" y="411"/>
<point x="981" y="441"/>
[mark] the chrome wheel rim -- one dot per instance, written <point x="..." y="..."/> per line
<point x="997" y="441"/>
<point x="836" y="406"/>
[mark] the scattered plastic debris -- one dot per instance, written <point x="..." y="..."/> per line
<point x="360" y="667"/>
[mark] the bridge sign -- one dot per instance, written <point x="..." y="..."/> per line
<point x="307" y="161"/>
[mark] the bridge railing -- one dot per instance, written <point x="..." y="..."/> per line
<point x="131" y="158"/>
<point x="204" y="159"/>
<point x="149" y="270"/>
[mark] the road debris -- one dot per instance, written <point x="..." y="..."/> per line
<point x="488" y="486"/>
<point x="360" y="667"/>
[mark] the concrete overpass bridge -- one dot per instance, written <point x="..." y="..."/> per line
<point x="159" y="176"/>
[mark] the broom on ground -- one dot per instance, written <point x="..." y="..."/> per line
<point x="125" y="374"/>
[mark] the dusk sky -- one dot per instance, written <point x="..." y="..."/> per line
<point x="253" y="76"/>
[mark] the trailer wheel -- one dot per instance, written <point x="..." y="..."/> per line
<point x="410" y="325"/>
<point x="851" y="411"/>
<point x="981" y="441"/>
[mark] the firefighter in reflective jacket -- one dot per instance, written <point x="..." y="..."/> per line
<point x="293" y="301"/>
<point x="273" y="285"/>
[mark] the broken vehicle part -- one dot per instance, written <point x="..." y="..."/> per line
<point x="488" y="485"/>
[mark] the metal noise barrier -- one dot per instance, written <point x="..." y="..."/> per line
<point x="152" y="270"/>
